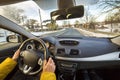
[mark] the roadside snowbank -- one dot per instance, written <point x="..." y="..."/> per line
<point x="93" y="34"/>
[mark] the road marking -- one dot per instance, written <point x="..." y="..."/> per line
<point x="60" y="33"/>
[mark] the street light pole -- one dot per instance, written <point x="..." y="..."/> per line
<point x="40" y="19"/>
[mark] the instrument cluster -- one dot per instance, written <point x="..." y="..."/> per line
<point x="35" y="45"/>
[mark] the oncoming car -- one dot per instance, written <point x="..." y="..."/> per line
<point x="81" y="36"/>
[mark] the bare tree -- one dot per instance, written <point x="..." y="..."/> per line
<point x="89" y="21"/>
<point x="13" y="13"/>
<point x="109" y="5"/>
<point x="30" y="23"/>
<point x="77" y="23"/>
<point x="65" y="23"/>
<point x="112" y="9"/>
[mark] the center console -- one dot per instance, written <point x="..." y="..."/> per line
<point x="67" y="71"/>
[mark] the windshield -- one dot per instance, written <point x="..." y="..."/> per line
<point x="101" y="19"/>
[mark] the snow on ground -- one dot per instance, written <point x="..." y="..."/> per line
<point x="45" y="32"/>
<point x="3" y="38"/>
<point x="104" y="30"/>
<point x="93" y="34"/>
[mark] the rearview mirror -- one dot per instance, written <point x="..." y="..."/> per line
<point x="69" y="13"/>
<point x="75" y="12"/>
<point x="59" y="14"/>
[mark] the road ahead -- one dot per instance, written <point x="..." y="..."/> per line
<point x="67" y="32"/>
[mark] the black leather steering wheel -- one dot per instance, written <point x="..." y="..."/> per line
<point x="31" y="60"/>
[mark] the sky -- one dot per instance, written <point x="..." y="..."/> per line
<point x="32" y="10"/>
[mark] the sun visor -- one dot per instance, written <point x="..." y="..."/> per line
<point x="6" y="2"/>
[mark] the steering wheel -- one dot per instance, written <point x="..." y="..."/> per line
<point x="31" y="58"/>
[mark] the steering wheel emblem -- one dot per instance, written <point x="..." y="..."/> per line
<point x="40" y="62"/>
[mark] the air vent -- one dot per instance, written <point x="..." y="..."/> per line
<point x="61" y="51"/>
<point x="74" y="52"/>
<point x="69" y="43"/>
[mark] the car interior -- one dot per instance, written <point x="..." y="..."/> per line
<point x="77" y="57"/>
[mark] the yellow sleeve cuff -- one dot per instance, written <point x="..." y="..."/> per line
<point x="10" y="60"/>
<point x="48" y="76"/>
<point x="6" y="67"/>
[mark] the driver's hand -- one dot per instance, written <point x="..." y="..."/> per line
<point x="49" y="66"/>
<point x="16" y="55"/>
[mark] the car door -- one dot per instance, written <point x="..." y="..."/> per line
<point x="7" y="47"/>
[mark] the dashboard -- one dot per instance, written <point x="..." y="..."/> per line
<point x="80" y="47"/>
<point x="83" y="53"/>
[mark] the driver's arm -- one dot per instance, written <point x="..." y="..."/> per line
<point x="8" y="65"/>
<point x="48" y="70"/>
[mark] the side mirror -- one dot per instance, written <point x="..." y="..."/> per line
<point x="13" y="38"/>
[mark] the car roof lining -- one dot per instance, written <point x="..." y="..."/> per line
<point x="48" y="4"/>
<point x="6" y="2"/>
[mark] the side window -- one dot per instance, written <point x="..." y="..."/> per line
<point x="5" y="34"/>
